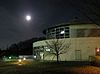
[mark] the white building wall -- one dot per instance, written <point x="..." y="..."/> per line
<point x="86" y="45"/>
<point x="87" y="28"/>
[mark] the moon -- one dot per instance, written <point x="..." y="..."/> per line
<point x="28" y="17"/>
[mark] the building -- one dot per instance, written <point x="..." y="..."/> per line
<point x="84" y="41"/>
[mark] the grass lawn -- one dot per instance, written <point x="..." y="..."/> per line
<point x="47" y="68"/>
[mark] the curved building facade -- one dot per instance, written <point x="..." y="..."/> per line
<point x="84" y="39"/>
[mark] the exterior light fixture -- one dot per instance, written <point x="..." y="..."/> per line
<point x="19" y="60"/>
<point x="9" y="57"/>
<point x="24" y="58"/>
<point x="98" y="50"/>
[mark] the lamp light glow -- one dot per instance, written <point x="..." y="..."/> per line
<point x="24" y="58"/>
<point x="34" y="56"/>
<point x="9" y="57"/>
<point x="98" y="49"/>
<point x="19" y="60"/>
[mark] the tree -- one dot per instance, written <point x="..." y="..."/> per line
<point x="57" y="47"/>
<point x="12" y="50"/>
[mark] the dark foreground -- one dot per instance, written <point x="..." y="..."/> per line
<point x="48" y="68"/>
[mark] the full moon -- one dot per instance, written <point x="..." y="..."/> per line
<point x="28" y="17"/>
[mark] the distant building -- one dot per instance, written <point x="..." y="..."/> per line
<point x="84" y="39"/>
<point x="26" y="57"/>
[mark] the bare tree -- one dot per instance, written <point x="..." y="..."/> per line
<point x="57" y="47"/>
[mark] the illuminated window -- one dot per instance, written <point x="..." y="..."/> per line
<point x="47" y="49"/>
<point x="62" y="32"/>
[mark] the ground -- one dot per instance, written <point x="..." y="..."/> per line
<point x="35" y="67"/>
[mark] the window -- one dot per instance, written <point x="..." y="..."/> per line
<point x="59" y="32"/>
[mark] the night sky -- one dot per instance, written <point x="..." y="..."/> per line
<point x="44" y="13"/>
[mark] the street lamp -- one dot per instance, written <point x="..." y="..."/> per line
<point x="24" y="58"/>
<point x="19" y="60"/>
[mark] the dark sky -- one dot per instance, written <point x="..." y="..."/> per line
<point x="45" y="13"/>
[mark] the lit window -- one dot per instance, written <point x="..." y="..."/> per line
<point x="62" y="32"/>
<point x="47" y="49"/>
